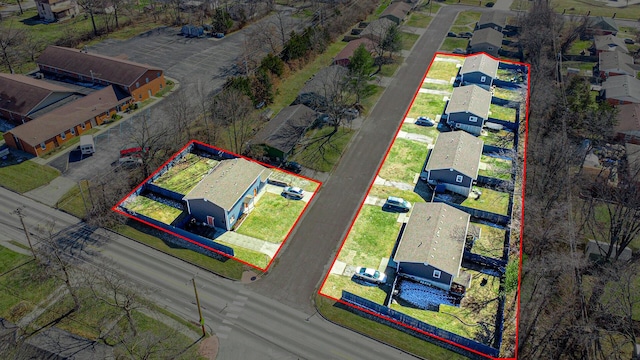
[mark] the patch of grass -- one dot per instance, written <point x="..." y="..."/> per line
<point x="490" y="243"/>
<point x="229" y="268"/>
<point x="495" y="168"/>
<point x="449" y="44"/>
<point x="383" y="192"/>
<point x="390" y="69"/>
<point x="408" y="40"/>
<point x="293" y="180"/>
<point x="419" y="19"/>
<point x="440" y="87"/>
<point x="75" y="202"/>
<point x="167" y="89"/>
<point x="336" y="283"/>
<point x="272" y="218"/>
<point x="247" y="255"/>
<point x="502" y="113"/>
<point x="501" y="138"/>
<point x="336" y="313"/>
<point x="430" y="105"/>
<point x="586" y="68"/>
<point x="430" y="131"/>
<point x="405" y="161"/>
<point x="292" y="84"/>
<point x="26" y="176"/>
<point x="469" y="18"/>
<point x="10" y="259"/>
<point x="443" y="69"/>
<point x="186" y="174"/>
<point x="580" y="45"/>
<point x="371" y="238"/>
<point x="491" y="200"/>
<point x="582" y="7"/>
<point x="146" y="102"/>
<point x="507" y="94"/>
<point x="463" y="320"/>
<point x="370" y="101"/>
<point x="317" y="153"/>
<point x="153" y="209"/>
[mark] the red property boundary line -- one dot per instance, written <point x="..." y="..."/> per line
<point x="521" y="216"/>
<point x="115" y="207"/>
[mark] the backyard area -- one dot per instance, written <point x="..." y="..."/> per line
<point x="493" y="201"/>
<point x="404" y="161"/>
<point x="495" y="168"/>
<point x="500" y="138"/>
<point x="186" y="174"/>
<point x="491" y="241"/>
<point x="153" y="209"/>
<point x="430" y="105"/>
<point x="502" y="113"/>
<point x="508" y="94"/>
<point x="371" y="238"/>
<point x="272" y="218"/>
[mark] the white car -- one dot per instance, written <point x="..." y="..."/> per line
<point x="293" y="192"/>
<point x="372" y="275"/>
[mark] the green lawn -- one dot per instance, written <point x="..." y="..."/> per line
<point x="405" y="161"/>
<point x="430" y="131"/>
<point x="76" y="202"/>
<point x="419" y="19"/>
<point x="440" y="87"/>
<point x="462" y="320"/>
<point x="491" y="200"/>
<point x="501" y="138"/>
<point x="336" y="283"/>
<point x="318" y="153"/>
<point x="153" y="209"/>
<point x="390" y="69"/>
<point x="490" y="243"/>
<point x="292" y="84"/>
<point x="408" y="40"/>
<point x="429" y="105"/>
<point x="186" y="174"/>
<point x="336" y="313"/>
<point x="228" y="268"/>
<point x="502" y="113"/>
<point x="272" y="218"/>
<point x="250" y="256"/>
<point x="383" y="192"/>
<point x="496" y="168"/>
<point x="444" y="70"/>
<point x="582" y="7"/>
<point x="508" y="94"/>
<point x="371" y="238"/>
<point x="26" y="176"/>
<point x="469" y="18"/>
<point x="579" y="46"/>
<point x="370" y="101"/>
<point x="585" y="67"/>
<point x="450" y="44"/>
<point x="293" y="180"/>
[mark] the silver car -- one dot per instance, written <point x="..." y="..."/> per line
<point x="293" y="192"/>
<point x="371" y="275"/>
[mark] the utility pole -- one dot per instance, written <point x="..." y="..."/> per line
<point x="20" y="214"/>
<point x="204" y="333"/>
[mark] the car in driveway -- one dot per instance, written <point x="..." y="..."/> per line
<point x="459" y="51"/>
<point x="425" y="121"/>
<point x="629" y="41"/>
<point x="293" y="192"/>
<point x="452" y="34"/>
<point x="466" y="35"/>
<point x="292" y="166"/>
<point x="371" y="275"/>
<point x="398" y="204"/>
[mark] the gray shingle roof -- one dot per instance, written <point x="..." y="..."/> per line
<point x="284" y="131"/>
<point x="623" y="88"/>
<point x="486" y="35"/>
<point x="615" y="60"/>
<point x="456" y="150"/>
<point x="604" y="23"/>
<point x="493" y="17"/>
<point x="22" y="94"/>
<point x="109" y="69"/>
<point x="377" y="28"/>
<point x="609" y="43"/>
<point x="228" y="181"/>
<point x="470" y="98"/>
<point x="397" y="9"/>
<point x="435" y="234"/>
<point x="628" y="119"/>
<point x="482" y="63"/>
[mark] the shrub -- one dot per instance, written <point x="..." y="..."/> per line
<point x="489" y="4"/>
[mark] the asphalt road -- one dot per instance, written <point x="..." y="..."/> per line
<point x="309" y="252"/>
<point x="249" y="325"/>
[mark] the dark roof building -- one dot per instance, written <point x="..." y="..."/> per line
<point x="600" y="25"/>
<point x="496" y="20"/>
<point x="479" y="69"/>
<point x="282" y="133"/>
<point x="344" y="57"/>
<point x="486" y="40"/>
<point x="21" y="96"/>
<point x="377" y="29"/>
<point x="627" y="127"/>
<point x="609" y="43"/>
<point x="320" y="90"/>
<point x="613" y="63"/>
<point x="396" y="12"/>
<point x="456" y="150"/>
<point x="470" y="99"/>
<point x="623" y="89"/>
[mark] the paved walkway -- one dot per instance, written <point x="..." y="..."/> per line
<point x="248" y="242"/>
<point x="396" y="184"/>
<point x="52" y="192"/>
<point x="437" y="81"/>
<point x="415" y="137"/>
<point x="435" y="92"/>
<point x="503" y="5"/>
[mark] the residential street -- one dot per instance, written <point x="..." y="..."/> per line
<point x="249" y="325"/>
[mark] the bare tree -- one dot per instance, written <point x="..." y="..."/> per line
<point x="11" y="40"/>
<point x="152" y="137"/>
<point x="91" y="7"/>
<point x="182" y="114"/>
<point x="232" y="109"/>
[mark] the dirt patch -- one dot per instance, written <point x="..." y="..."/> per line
<point x="209" y="348"/>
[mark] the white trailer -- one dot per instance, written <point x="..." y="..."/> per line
<point x="87" y="146"/>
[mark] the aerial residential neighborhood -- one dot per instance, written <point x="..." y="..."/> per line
<point x="395" y="179"/>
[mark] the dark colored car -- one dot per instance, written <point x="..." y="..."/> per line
<point x="396" y="204"/>
<point x="424" y="121"/>
<point x="466" y="35"/>
<point x="218" y="35"/>
<point x="452" y="34"/>
<point x="292" y="166"/>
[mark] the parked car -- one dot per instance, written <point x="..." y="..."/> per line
<point x="425" y="121"/>
<point x="351" y="113"/>
<point x="452" y="34"/>
<point x="466" y="35"/>
<point x="293" y="192"/>
<point x="396" y="204"/>
<point x="292" y="166"/>
<point x="629" y="41"/>
<point x="369" y="274"/>
<point x="459" y="51"/>
<point x="218" y="35"/>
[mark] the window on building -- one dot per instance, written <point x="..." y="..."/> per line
<point x="473" y="118"/>
<point x="483" y="78"/>
<point x="43" y="146"/>
<point x="437" y="274"/>
<point x="158" y="74"/>
<point x="63" y="136"/>
<point x="147" y="80"/>
<point x="72" y="131"/>
<point x="139" y="96"/>
<point x="137" y="84"/>
<point x="82" y="126"/>
<point x="459" y="178"/>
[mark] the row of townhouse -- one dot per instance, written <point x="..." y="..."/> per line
<point x="47" y="115"/>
